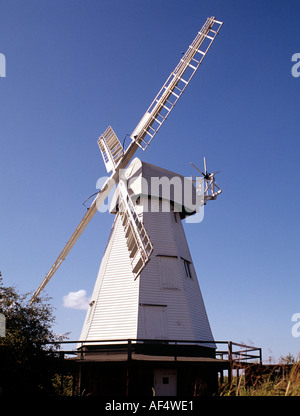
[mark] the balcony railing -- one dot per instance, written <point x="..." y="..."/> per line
<point x="234" y="353"/>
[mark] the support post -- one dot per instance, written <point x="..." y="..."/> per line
<point x="230" y="372"/>
<point x="260" y="356"/>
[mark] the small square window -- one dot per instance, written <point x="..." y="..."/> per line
<point x="165" y="380"/>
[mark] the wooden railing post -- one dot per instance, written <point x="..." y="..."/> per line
<point x="230" y="372"/>
<point x="260" y="356"/>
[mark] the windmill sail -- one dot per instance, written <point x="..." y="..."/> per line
<point x="137" y="239"/>
<point x="111" y="149"/>
<point x="115" y="158"/>
<point x="176" y="84"/>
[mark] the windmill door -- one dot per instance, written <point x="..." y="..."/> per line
<point x="155" y="322"/>
<point x="165" y="382"/>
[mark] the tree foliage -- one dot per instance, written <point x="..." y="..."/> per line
<point x="26" y="361"/>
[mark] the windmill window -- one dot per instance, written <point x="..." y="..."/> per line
<point x="187" y="268"/>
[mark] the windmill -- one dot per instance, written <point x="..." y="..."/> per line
<point x="147" y="286"/>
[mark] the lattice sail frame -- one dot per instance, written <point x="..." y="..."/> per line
<point x="176" y="84"/>
<point x="111" y="149"/>
<point x="115" y="157"/>
<point x="137" y="239"/>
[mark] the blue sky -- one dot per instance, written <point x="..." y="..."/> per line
<point x="75" y="67"/>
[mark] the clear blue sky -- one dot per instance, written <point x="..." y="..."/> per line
<point x="74" y="67"/>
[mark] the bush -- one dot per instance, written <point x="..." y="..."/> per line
<point x="26" y="362"/>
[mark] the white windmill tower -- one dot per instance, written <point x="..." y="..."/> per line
<point x="147" y="286"/>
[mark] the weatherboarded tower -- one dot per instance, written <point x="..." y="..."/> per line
<point x="146" y="330"/>
<point x="162" y="300"/>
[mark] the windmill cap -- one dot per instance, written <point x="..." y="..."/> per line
<point x="147" y="180"/>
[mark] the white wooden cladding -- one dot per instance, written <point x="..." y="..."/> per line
<point x="186" y="313"/>
<point x="169" y="272"/>
<point x="154" y="321"/>
<point x="163" y="303"/>
<point x="115" y="308"/>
